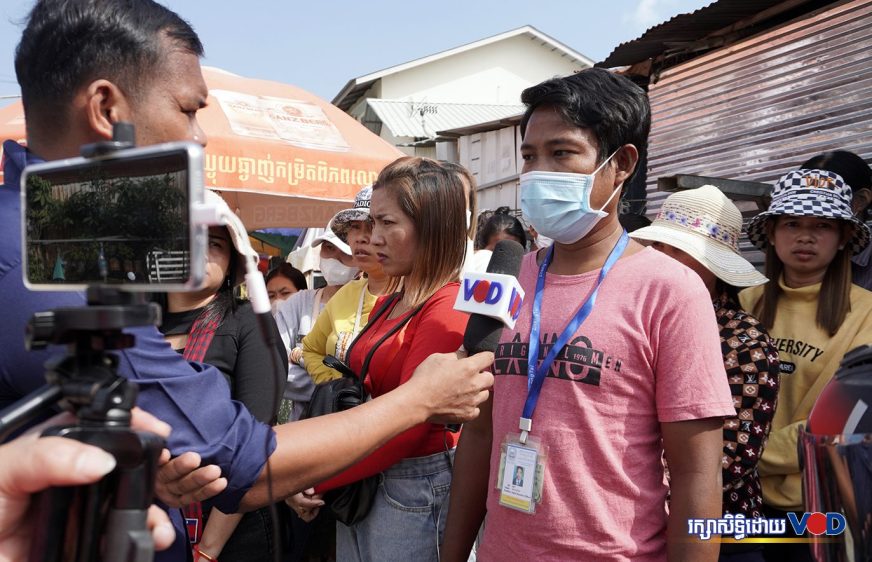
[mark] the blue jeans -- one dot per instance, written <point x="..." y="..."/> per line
<point x="408" y="515"/>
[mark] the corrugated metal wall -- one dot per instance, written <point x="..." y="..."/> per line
<point x="756" y="109"/>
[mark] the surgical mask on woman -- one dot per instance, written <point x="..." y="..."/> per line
<point x="337" y="273"/>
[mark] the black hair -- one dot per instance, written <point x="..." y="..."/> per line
<point x="223" y="305"/>
<point x="289" y="272"/>
<point x="225" y="301"/>
<point x="632" y="221"/>
<point x="609" y="105"/>
<point x="69" y="43"/>
<point x="502" y="221"/>
<point x="732" y="291"/>
<point x="853" y="169"/>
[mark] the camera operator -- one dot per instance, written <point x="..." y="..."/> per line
<point x="84" y="65"/>
<point x="31" y="464"/>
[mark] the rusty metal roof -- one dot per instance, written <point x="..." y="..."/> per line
<point x="682" y="31"/>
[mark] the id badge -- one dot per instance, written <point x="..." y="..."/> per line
<point x="521" y="473"/>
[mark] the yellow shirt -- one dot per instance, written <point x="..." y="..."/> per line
<point x="809" y="359"/>
<point x="334" y="329"/>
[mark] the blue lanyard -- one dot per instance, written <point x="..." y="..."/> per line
<point x="535" y="377"/>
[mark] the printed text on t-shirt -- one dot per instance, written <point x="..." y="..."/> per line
<point x="578" y="361"/>
<point x="798" y="348"/>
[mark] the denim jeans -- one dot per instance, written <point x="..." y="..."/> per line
<point x="408" y="515"/>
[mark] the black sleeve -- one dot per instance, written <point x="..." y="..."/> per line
<point x="258" y="378"/>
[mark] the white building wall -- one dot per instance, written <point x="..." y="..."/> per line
<point x="494" y="159"/>
<point x="495" y="73"/>
<point x="505" y="194"/>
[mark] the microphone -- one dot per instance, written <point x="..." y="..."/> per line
<point x="493" y="299"/>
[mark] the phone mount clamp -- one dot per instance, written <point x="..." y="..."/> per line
<point x="104" y="521"/>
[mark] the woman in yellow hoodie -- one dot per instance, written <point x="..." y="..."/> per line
<point x="813" y="313"/>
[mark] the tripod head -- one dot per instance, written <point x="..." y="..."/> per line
<point x="87" y="376"/>
<point x="107" y="520"/>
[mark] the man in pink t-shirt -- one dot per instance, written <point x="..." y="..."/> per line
<point x="627" y="360"/>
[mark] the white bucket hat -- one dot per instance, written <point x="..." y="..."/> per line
<point x="705" y="224"/>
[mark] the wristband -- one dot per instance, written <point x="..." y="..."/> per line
<point x="202" y="554"/>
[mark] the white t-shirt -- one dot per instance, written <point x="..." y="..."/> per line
<point x="294" y="320"/>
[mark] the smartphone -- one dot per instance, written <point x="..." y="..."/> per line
<point x="123" y="219"/>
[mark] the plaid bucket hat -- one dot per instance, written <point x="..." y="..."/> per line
<point x="706" y="225"/>
<point x="810" y="193"/>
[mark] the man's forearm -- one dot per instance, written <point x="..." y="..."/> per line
<point x="218" y="531"/>
<point x="468" y="503"/>
<point x="695" y="496"/>
<point x="310" y="451"/>
<point x="693" y="451"/>
<point x="443" y="389"/>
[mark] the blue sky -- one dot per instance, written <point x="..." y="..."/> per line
<point x="320" y="45"/>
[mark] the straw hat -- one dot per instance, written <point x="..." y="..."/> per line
<point x="360" y="212"/>
<point x="705" y="224"/>
<point x="810" y="193"/>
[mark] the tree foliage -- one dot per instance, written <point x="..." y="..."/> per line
<point x="122" y="219"/>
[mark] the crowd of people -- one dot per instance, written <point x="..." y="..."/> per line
<point x="652" y="377"/>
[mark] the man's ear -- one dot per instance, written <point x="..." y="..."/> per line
<point x="862" y="198"/>
<point x="625" y="161"/>
<point x="105" y="104"/>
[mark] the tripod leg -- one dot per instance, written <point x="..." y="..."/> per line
<point x="127" y="538"/>
<point x="109" y="517"/>
<point x="52" y="520"/>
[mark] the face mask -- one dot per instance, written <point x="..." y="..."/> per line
<point x="543" y="241"/>
<point x="558" y="203"/>
<point x="337" y="273"/>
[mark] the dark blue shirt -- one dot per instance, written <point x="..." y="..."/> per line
<point x="193" y="398"/>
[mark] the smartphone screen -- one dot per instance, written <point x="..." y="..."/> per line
<point x="119" y="220"/>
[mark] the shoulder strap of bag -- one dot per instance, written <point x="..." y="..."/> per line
<point x="390" y="301"/>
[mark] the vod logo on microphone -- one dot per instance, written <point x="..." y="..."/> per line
<point x="491" y="294"/>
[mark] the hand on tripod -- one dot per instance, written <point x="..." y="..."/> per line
<point x="31" y="464"/>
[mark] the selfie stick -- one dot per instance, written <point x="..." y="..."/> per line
<point x="105" y="521"/>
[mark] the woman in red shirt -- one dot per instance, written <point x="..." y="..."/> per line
<point x="418" y="210"/>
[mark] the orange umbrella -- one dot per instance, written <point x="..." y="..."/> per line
<point x="279" y="155"/>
